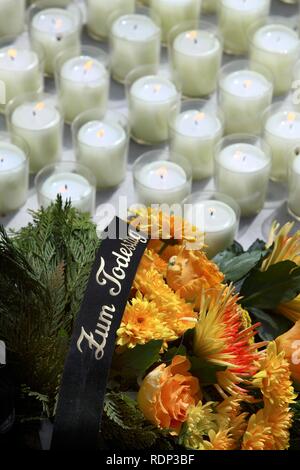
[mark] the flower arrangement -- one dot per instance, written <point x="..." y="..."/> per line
<point x="208" y="351"/>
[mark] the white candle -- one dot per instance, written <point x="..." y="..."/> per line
<point x="195" y="134"/>
<point x="55" y="30"/>
<point x="161" y="182"/>
<point x="102" y="147"/>
<point x="40" y="125"/>
<point x="282" y="133"/>
<point x="135" y="41"/>
<point x="70" y="186"/>
<point x="12" y="17"/>
<point x="242" y="172"/>
<point x="196" y="57"/>
<point x="173" y="12"/>
<point x="243" y="96"/>
<point x="83" y="83"/>
<point x="219" y="224"/>
<point x="151" y="100"/>
<point x="100" y="12"/>
<point x="14" y="177"/>
<point x="277" y="47"/>
<point x="236" y="17"/>
<point x="20" y="71"/>
<point x="294" y="188"/>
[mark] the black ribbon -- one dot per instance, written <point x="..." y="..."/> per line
<point x="82" y="391"/>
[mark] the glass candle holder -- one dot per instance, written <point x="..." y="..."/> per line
<point x="294" y="183"/>
<point x="71" y="180"/>
<point x="36" y="118"/>
<point x="55" y="27"/>
<point x="151" y="98"/>
<point x="295" y="91"/>
<point x="162" y="177"/>
<point x="245" y="91"/>
<point x="195" y="51"/>
<point x="236" y="17"/>
<point x="276" y="46"/>
<point x="173" y="13"/>
<point x="216" y="215"/>
<point x="14" y="173"/>
<point x="282" y="133"/>
<point x="101" y="144"/>
<point x="99" y="11"/>
<point x="21" y="70"/>
<point x="134" y="42"/>
<point x="194" y="133"/>
<point x="12" y="17"/>
<point x="82" y="81"/>
<point x="209" y="7"/>
<point x="242" y="171"/>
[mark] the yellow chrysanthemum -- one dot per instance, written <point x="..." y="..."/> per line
<point x="141" y="323"/>
<point x="274" y="377"/>
<point x="219" y="440"/>
<point x="258" y="435"/>
<point x="229" y="415"/>
<point x="280" y="421"/>
<point x="201" y="420"/>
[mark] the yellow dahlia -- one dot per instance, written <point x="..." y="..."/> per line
<point x="141" y="323"/>
<point x="258" y="435"/>
<point x="274" y="377"/>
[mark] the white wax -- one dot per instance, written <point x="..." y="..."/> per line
<point x="161" y="182"/>
<point x="39" y="124"/>
<point x="83" y="84"/>
<point x="294" y="188"/>
<point x="277" y="47"/>
<point x="244" y="95"/>
<point x="99" y="13"/>
<point x="282" y="132"/>
<point x="242" y="172"/>
<point x="195" y="135"/>
<point x="13" y="177"/>
<point x="219" y="224"/>
<point x="135" y="41"/>
<point x="236" y="18"/>
<point x="196" y="58"/>
<point x="55" y="30"/>
<point x="102" y="147"/>
<point x="69" y="186"/>
<point x="23" y="66"/>
<point x="12" y="17"/>
<point x="152" y="100"/>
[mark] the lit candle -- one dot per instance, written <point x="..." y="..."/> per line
<point x="243" y="96"/>
<point x="39" y="123"/>
<point x="14" y="177"/>
<point x="173" y="12"/>
<point x="294" y="186"/>
<point x="135" y="41"/>
<point x="277" y="47"/>
<point x="282" y="133"/>
<point x="83" y="83"/>
<point x="20" y="71"/>
<point x="151" y="100"/>
<point x="236" y="17"/>
<point x="196" y="58"/>
<point x="159" y="181"/>
<point x="55" y="30"/>
<point x="102" y="147"/>
<point x="99" y="13"/>
<point x="194" y="134"/>
<point x="12" y="17"/>
<point x="219" y="222"/>
<point x="242" y="172"/>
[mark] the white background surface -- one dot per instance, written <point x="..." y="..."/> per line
<point x="250" y="229"/>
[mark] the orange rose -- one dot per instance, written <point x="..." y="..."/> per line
<point x="167" y="393"/>
<point x="289" y="342"/>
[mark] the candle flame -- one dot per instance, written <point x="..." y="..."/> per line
<point x="100" y="133"/>
<point x="211" y="211"/>
<point x="157" y="88"/>
<point x="88" y="65"/>
<point x="12" y="53"/>
<point x="199" y="117"/>
<point x="291" y="117"/>
<point x="39" y="106"/>
<point x="162" y="172"/>
<point x="247" y="83"/>
<point x="58" y="24"/>
<point x="192" y="35"/>
<point x="64" y="189"/>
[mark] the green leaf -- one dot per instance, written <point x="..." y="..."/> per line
<point x="272" y="326"/>
<point x="134" y="362"/>
<point x="176" y="351"/>
<point x="205" y="370"/>
<point x="266" y="290"/>
<point x="258" y="245"/>
<point x="238" y="267"/>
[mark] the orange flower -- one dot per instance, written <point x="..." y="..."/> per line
<point x="167" y="393"/>
<point x="289" y="342"/>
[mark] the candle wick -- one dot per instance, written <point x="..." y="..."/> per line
<point x="34" y="112"/>
<point x="1" y="159"/>
<point x="212" y="213"/>
<point x="66" y="187"/>
<point x="135" y="26"/>
<point x="195" y="41"/>
<point x="161" y="176"/>
<point x="59" y="37"/>
<point x="278" y="39"/>
<point x="244" y="158"/>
